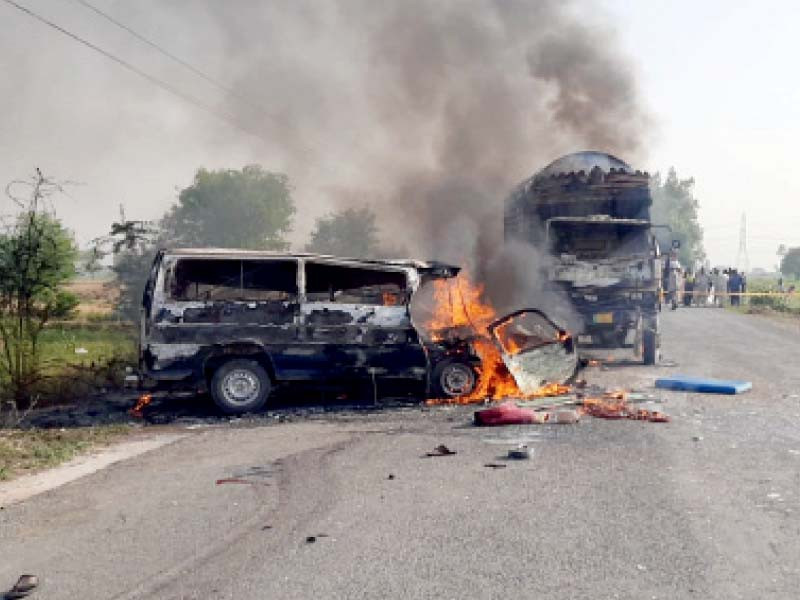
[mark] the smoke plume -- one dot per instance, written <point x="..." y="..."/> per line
<point x="427" y="111"/>
<point x="431" y="110"/>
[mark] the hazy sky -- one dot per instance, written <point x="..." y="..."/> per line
<point x="719" y="79"/>
<point x="722" y="80"/>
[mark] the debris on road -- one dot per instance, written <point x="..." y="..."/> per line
<point x="609" y="405"/>
<point x="24" y="586"/>
<point x="566" y="416"/>
<point x="441" y="450"/>
<point x="703" y="385"/>
<point x="508" y="413"/>
<point x="235" y="480"/>
<point x="616" y="405"/>
<point x="521" y="452"/>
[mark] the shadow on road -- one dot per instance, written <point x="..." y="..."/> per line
<point x="186" y="408"/>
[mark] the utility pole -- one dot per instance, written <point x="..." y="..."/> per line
<point x="742" y="260"/>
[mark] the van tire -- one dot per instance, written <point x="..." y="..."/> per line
<point x="453" y="379"/>
<point x="240" y="386"/>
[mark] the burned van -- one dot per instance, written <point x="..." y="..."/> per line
<point x="239" y="323"/>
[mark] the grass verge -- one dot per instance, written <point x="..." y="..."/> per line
<point x="27" y="450"/>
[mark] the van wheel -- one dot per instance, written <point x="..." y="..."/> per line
<point x="240" y="386"/>
<point x="452" y="379"/>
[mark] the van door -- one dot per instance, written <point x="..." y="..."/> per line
<point x="534" y="349"/>
<point x="356" y="322"/>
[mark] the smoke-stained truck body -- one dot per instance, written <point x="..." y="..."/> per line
<point x="592" y="213"/>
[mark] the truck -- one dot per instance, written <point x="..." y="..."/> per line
<point x="590" y="213"/>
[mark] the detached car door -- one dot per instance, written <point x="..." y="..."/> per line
<point x="534" y="349"/>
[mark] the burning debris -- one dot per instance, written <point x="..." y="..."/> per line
<point x="521" y="355"/>
<point x="609" y="405"/>
<point x="143" y="401"/>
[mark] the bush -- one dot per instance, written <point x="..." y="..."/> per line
<point x="64" y="305"/>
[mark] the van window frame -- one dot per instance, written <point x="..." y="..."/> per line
<point x="170" y="270"/>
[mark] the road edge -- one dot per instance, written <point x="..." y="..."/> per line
<point x="26" y="486"/>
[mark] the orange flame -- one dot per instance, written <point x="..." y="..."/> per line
<point x="614" y="405"/>
<point x="143" y="401"/>
<point x="459" y="304"/>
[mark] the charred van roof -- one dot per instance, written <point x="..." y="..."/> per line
<point x="434" y="268"/>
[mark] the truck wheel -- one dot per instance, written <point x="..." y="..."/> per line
<point x="452" y="379"/>
<point x="649" y="346"/>
<point x="240" y="386"/>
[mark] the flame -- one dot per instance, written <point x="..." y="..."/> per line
<point x="459" y="304"/>
<point x="614" y="405"/>
<point x="143" y="401"/>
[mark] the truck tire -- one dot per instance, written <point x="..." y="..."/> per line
<point x="240" y="386"/>
<point x="649" y="346"/>
<point x="452" y="379"/>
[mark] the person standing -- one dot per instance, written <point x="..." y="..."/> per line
<point x="672" y="285"/>
<point x="720" y="287"/>
<point x="734" y="287"/>
<point x="701" y="288"/>
<point x="688" y="288"/>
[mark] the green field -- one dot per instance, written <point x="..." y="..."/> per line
<point x="63" y="345"/>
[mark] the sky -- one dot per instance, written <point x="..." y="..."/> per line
<point x="722" y="82"/>
<point x="717" y="78"/>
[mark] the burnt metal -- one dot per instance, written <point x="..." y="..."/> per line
<point x="592" y="213"/>
<point x="321" y="319"/>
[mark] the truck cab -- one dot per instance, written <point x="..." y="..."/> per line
<point x="611" y="270"/>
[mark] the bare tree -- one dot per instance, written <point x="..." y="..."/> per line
<point x="36" y="257"/>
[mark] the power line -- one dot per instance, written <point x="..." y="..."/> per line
<point x="158" y="48"/>
<point x="152" y="79"/>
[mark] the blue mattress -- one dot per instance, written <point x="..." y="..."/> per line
<point x="703" y="385"/>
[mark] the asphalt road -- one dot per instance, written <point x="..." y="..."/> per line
<point x="707" y="506"/>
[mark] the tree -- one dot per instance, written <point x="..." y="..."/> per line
<point x="37" y="256"/>
<point x="790" y="263"/>
<point x="674" y="204"/>
<point x="348" y="232"/>
<point x="251" y="208"/>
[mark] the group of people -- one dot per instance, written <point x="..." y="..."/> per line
<point x="703" y="288"/>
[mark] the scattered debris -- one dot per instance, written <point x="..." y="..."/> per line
<point x="615" y="405"/>
<point x="610" y="405"/>
<point x="703" y="385"/>
<point x="441" y="450"/>
<point x="238" y="480"/>
<point x="566" y="416"/>
<point x="521" y="452"/>
<point x="24" y="586"/>
<point x="508" y="413"/>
